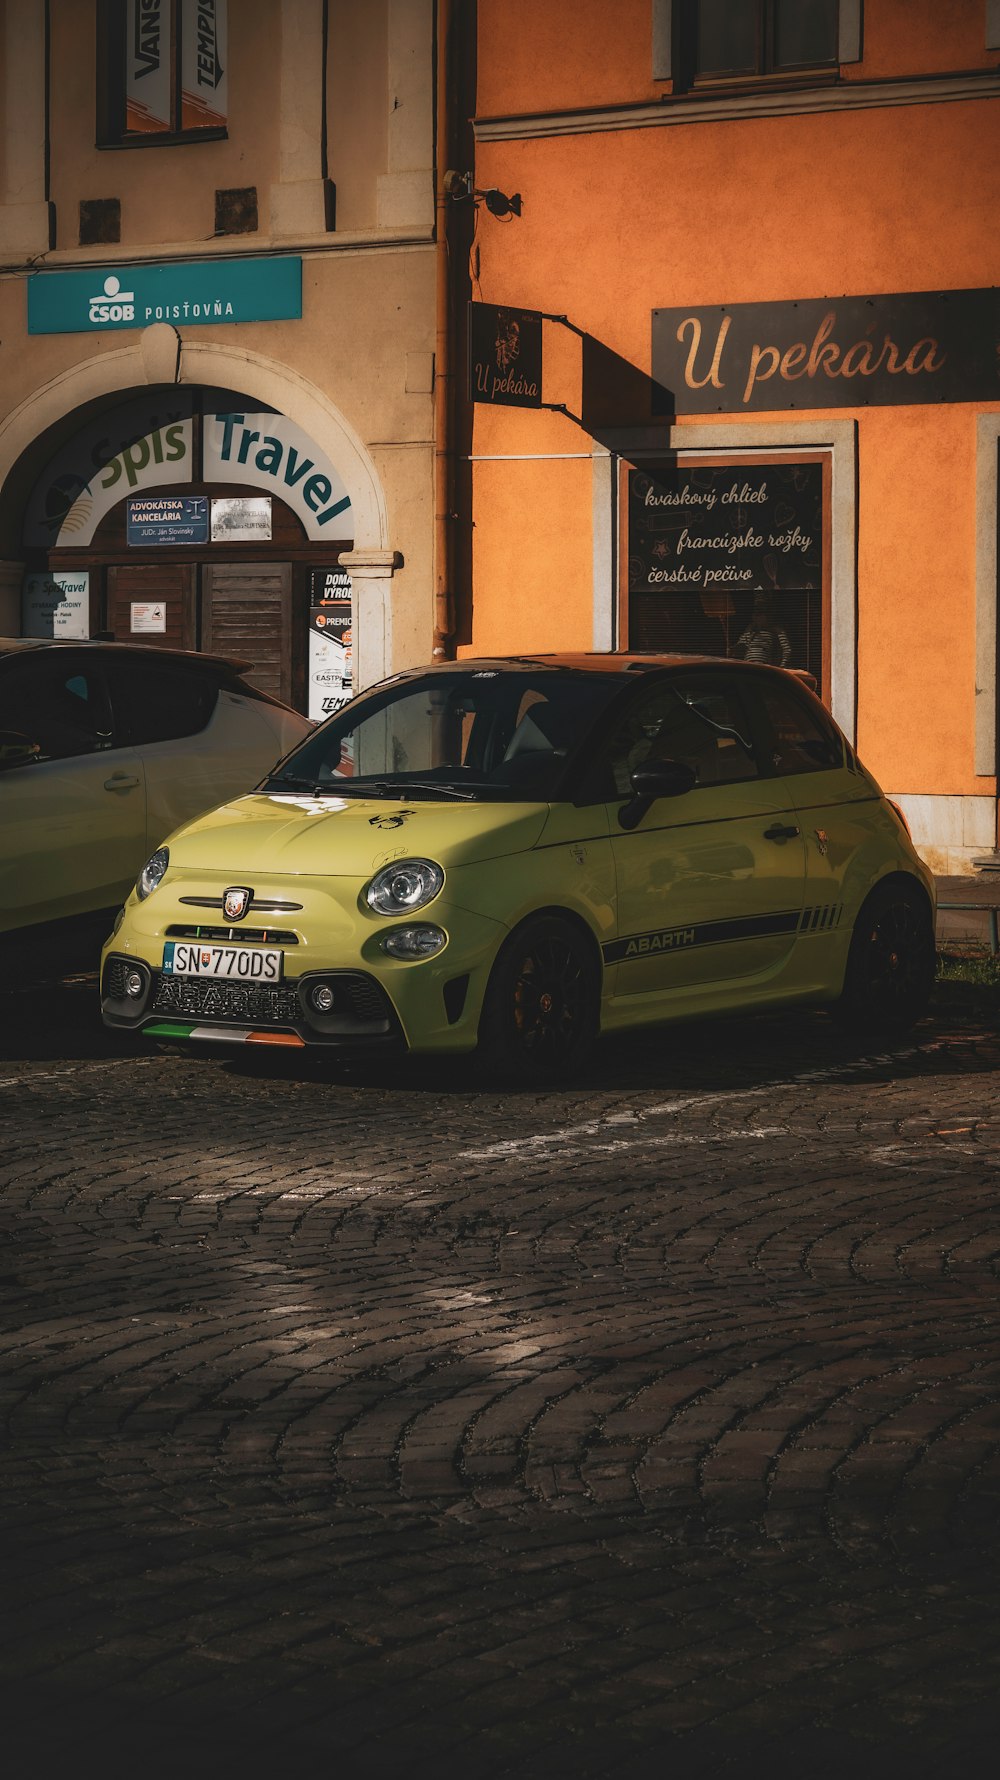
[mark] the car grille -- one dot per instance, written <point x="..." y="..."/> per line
<point x="277" y="1006"/>
<point x="114" y="979"/>
<point x="366" y="997"/>
<point x="274" y="936"/>
<point x="264" y="905"/>
<point x="360" y="1001"/>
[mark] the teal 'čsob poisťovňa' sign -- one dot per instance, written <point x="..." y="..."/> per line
<point x="198" y="293"/>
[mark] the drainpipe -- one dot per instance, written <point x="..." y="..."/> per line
<point x="444" y="467"/>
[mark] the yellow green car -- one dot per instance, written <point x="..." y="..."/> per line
<point x="513" y="856"/>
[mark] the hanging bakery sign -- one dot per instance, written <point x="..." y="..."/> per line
<point x="505" y="356"/>
<point x="843" y="352"/>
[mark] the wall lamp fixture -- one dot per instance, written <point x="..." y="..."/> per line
<point x="459" y="185"/>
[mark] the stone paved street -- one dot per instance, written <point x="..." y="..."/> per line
<point x="361" y="1422"/>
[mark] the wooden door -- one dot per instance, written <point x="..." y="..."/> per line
<point x="247" y="612"/>
<point x="152" y="603"/>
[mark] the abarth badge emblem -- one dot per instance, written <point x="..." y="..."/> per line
<point x="822" y="839"/>
<point x="235" y="903"/>
<point x="395" y="821"/>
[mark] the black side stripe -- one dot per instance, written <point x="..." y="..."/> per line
<point x="698" y="933"/>
<point x="821" y="918"/>
<point x="713" y="933"/>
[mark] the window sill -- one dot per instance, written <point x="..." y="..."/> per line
<point x="736" y="85"/>
<point x="168" y="139"/>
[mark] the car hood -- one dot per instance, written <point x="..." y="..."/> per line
<point x="350" y="836"/>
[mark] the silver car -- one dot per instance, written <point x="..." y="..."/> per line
<point x="105" y="748"/>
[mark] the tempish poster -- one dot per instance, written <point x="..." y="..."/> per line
<point x="204" y="62"/>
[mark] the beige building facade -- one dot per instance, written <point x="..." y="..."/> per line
<point x="220" y="307"/>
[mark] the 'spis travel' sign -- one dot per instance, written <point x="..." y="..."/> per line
<point x="837" y="352"/>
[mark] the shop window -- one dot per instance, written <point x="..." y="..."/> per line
<point x="703" y="42"/>
<point x="161" y="71"/>
<point x="730" y="559"/>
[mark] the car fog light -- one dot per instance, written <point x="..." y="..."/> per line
<point x="414" y="942"/>
<point x="322" y="998"/>
<point x="135" y="982"/>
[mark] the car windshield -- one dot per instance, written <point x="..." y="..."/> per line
<point x="487" y="733"/>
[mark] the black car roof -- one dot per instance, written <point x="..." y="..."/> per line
<point x="629" y="661"/>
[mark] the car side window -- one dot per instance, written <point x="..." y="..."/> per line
<point x="58" y="704"/>
<point x="160" y="701"/>
<point x="795" y="738"/>
<point x="698" y="720"/>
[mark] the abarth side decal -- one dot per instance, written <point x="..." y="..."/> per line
<point x="699" y="933"/>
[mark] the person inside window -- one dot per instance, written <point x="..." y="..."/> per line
<point x="765" y="638"/>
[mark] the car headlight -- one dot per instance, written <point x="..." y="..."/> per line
<point x="152" y="872"/>
<point x="407" y="885"/>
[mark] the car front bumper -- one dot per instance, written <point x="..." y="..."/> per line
<point x="427" y="1004"/>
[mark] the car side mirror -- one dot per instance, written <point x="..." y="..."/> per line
<point x="657" y="778"/>
<point x="16" y="749"/>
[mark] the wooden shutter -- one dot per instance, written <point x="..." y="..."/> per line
<point x="247" y="611"/>
<point x="167" y="584"/>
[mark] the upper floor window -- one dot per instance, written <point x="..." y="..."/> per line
<point x="162" y="71"/>
<point x="737" y="40"/>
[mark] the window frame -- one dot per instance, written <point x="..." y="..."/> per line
<point x="111" y="86"/>
<point x="672" y="51"/>
<point x="730" y="458"/>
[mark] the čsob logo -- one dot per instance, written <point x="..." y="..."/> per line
<point x="113" y="303"/>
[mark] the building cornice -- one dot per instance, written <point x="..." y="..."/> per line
<point x="853" y="95"/>
<point x="228" y="247"/>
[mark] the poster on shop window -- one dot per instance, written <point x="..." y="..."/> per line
<point x="330" y="643"/>
<point x="205" y="60"/>
<point x="56" y="605"/>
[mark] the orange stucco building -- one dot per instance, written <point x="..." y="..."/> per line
<point x="774" y="250"/>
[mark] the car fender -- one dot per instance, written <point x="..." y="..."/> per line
<point x="576" y="880"/>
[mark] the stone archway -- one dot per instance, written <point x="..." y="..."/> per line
<point x="159" y="356"/>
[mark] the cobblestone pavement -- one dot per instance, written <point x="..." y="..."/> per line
<point x="359" y="1422"/>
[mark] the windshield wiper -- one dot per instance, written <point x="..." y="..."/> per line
<point x="402" y="787"/>
<point x="369" y="788"/>
<point x="297" y="783"/>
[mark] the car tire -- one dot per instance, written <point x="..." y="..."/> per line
<point x="891" y="963"/>
<point x="541" y="1010"/>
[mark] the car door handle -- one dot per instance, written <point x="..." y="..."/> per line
<point x="779" y="832"/>
<point x="121" y="782"/>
